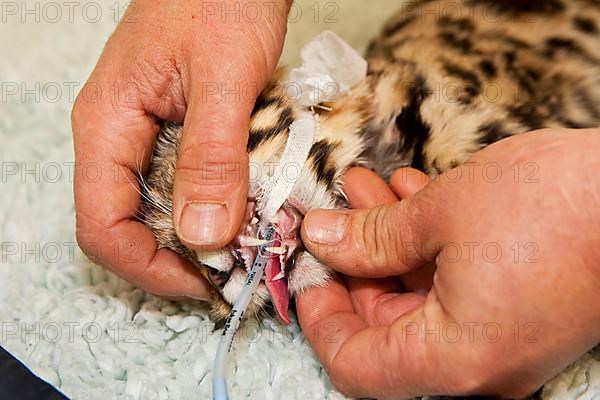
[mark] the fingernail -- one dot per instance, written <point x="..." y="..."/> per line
<point x="203" y="223"/>
<point x="327" y="227"/>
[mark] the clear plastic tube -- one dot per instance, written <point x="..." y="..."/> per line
<point x="233" y="321"/>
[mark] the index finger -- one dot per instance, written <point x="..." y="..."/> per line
<point x="361" y="361"/>
<point x="365" y="189"/>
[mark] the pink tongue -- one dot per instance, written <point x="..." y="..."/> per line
<point x="278" y="289"/>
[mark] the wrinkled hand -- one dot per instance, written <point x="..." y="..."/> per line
<point x="513" y="237"/>
<point x="178" y="61"/>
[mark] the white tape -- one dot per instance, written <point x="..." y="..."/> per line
<point x="300" y="140"/>
<point x="330" y="68"/>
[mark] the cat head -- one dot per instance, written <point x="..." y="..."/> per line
<point x="339" y="143"/>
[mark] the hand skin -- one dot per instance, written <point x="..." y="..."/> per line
<point x="174" y="61"/>
<point x="541" y="305"/>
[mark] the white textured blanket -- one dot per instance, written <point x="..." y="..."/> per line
<point x="80" y="328"/>
<point x="85" y="331"/>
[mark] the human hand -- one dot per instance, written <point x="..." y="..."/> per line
<point x="174" y="61"/>
<point x="515" y="294"/>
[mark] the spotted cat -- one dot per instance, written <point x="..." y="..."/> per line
<point x="445" y="79"/>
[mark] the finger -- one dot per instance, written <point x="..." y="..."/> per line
<point x="381" y="301"/>
<point x="169" y="275"/>
<point x="365" y="189"/>
<point x="388" y="308"/>
<point x="405" y="359"/>
<point x="375" y="299"/>
<point x="405" y="182"/>
<point x="211" y="180"/>
<point x="364" y="361"/>
<point x="111" y="141"/>
<point x="383" y="241"/>
<point x="211" y="184"/>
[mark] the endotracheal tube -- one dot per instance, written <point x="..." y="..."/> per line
<point x="233" y="321"/>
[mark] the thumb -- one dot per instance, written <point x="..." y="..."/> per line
<point x="227" y="69"/>
<point x="211" y="178"/>
<point x="379" y="242"/>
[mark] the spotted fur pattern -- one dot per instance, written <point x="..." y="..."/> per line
<point x="446" y="78"/>
<point x="338" y="145"/>
<point x="453" y="77"/>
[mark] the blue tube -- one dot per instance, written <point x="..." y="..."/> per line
<point x="220" y="389"/>
<point x="233" y="321"/>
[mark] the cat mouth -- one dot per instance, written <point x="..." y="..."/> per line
<point x="283" y="250"/>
